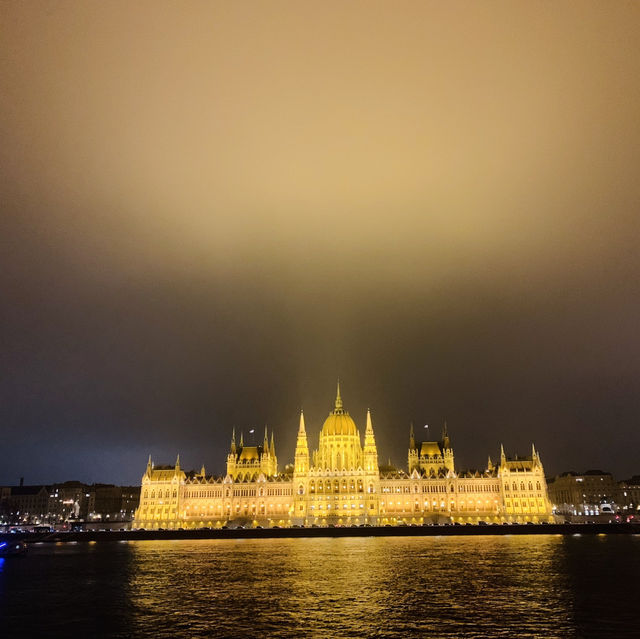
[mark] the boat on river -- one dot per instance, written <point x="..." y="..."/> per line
<point x="12" y="548"/>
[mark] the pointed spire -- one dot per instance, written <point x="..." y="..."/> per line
<point x="302" y="449"/>
<point x="412" y="438"/>
<point x="533" y="451"/>
<point x="273" y="446"/>
<point x="233" y="441"/>
<point x="489" y="463"/>
<point x="369" y="428"/>
<point x="503" y="457"/>
<point x="149" y="463"/>
<point x="301" y="429"/>
<point x="265" y="443"/>
<point x="178" y="462"/>
<point x="446" y="442"/>
<point x="241" y="439"/>
<point x="338" y="398"/>
<point x="202" y="471"/>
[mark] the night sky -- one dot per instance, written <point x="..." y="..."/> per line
<point x="211" y="211"/>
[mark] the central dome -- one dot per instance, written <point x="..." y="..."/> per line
<point x="339" y="445"/>
<point x="339" y="424"/>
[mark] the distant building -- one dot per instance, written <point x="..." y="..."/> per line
<point x="589" y="494"/>
<point x="113" y="503"/>
<point x="24" y="503"/>
<point x="341" y="483"/>
<point x="130" y="501"/>
<point x="629" y="490"/>
<point x="70" y="501"/>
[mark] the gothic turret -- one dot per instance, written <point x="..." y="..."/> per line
<point x="302" y="449"/>
<point x="446" y="442"/>
<point x="370" y="451"/>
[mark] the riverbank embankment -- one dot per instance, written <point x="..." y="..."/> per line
<point x="369" y="531"/>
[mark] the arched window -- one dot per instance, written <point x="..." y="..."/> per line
<point x="538" y="486"/>
<point x="153" y="494"/>
<point x="521" y="485"/>
<point x="515" y="486"/>
<point x="146" y="493"/>
<point x="300" y="489"/>
<point x="530" y="486"/>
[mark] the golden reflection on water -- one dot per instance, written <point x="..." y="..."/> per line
<point x="392" y="587"/>
<point x="508" y="586"/>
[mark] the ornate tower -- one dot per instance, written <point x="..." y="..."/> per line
<point x="231" y="457"/>
<point x="267" y="455"/>
<point x="301" y="474"/>
<point x="524" y="488"/>
<point x="302" y="450"/>
<point x="370" y="451"/>
<point x="447" y="449"/>
<point x="413" y="451"/>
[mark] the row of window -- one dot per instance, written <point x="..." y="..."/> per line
<point x="159" y="510"/>
<point x="523" y="503"/>
<point x="435" y="505"/>
<point x="481" y="488"/>
<point x="515" y="486"/>
<point x="167" y="492"/>
<point x="202" y="494"/>
<point x="335" y="487"/>
<point x="337" y="506"/>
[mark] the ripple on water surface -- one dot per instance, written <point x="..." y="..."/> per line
<point x="539" y="586"/>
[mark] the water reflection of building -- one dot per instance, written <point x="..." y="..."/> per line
<point x="342" y="483"/>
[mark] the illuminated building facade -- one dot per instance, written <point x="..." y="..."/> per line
<point x="341" y="483"/>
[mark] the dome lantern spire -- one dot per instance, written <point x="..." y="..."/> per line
<point x="338" y="398"/>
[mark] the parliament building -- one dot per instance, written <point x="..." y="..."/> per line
<point x="342" y="483"/>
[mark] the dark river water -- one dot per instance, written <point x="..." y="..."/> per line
<point x="538" y="586"/>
